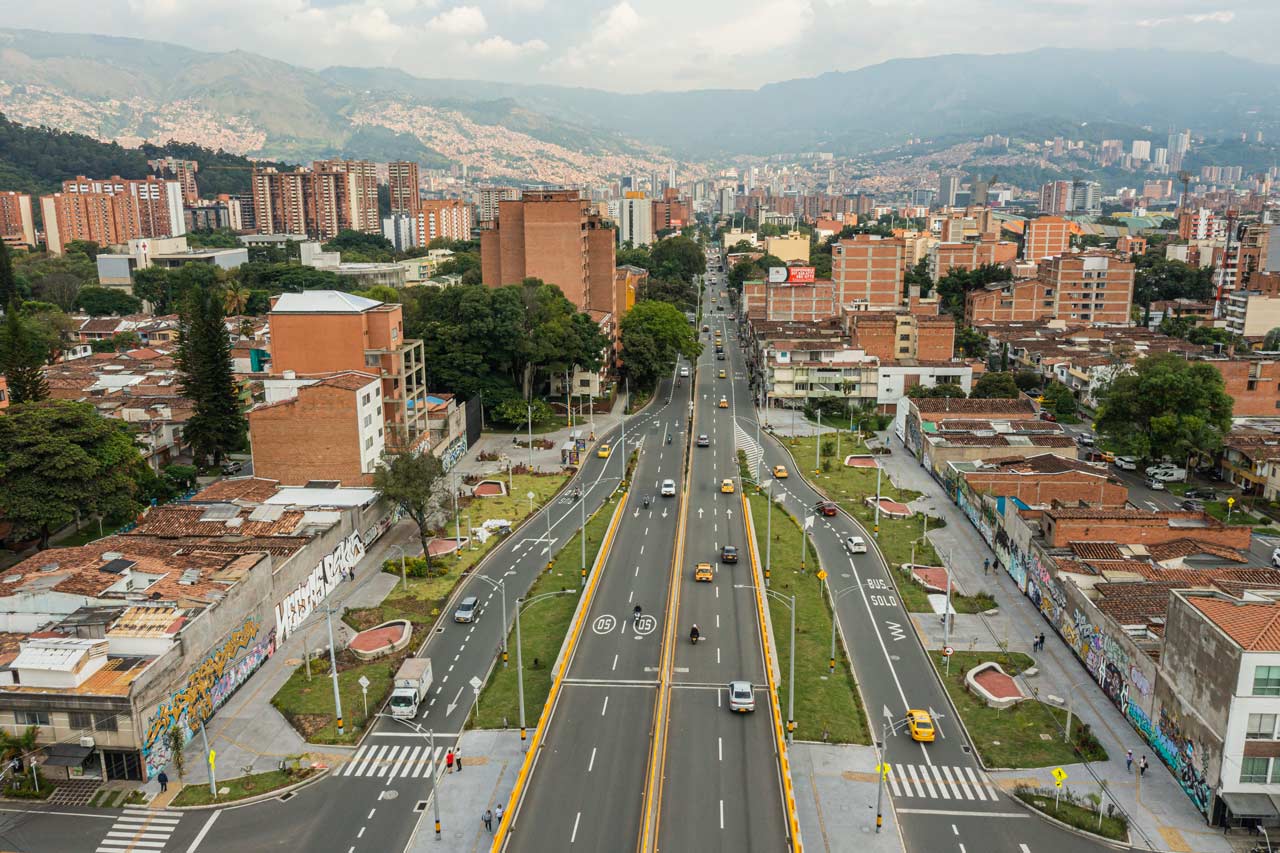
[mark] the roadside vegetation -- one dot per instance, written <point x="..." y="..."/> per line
<point x="197" y="793"/>
<point x="1078" y="812"/>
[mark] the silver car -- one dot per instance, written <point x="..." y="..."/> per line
<point x="742" y="697"/>
<point x="468" y="609"/>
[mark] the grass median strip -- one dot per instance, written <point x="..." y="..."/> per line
<point x="542" y="631"/>
<point x="307" y="703"/>
<point x="1027" y="735"/>
<point x="827" y="707"/>
<point x="1075" y="812"/>
<point x="195" y="793"/>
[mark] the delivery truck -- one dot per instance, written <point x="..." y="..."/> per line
<point x="413" y="680"/>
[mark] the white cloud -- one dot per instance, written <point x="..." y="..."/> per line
<point x="459" y="21"/>
<point x="503" y="49"/>
<point x="1220" y="17"/>
<point x="616" y="25"/>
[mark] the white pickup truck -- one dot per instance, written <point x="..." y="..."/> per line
<point x="413" y="680"/>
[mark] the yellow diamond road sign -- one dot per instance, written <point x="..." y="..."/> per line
<point x="1059" y="776"/>
<point x="883" y="770"/>
<point x="822" y="574"/>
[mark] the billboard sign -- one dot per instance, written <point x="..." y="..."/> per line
<point x="791" y="275"/>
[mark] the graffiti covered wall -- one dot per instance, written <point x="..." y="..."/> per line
<point x="204" y="690"/>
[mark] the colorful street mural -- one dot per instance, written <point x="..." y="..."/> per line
<point x="206" y="688"/>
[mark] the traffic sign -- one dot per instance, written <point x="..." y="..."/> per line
<point x="948" y="651"/>
<point x="364" y="683"/>
<point x="213" y="755"/>
<point x="822" y="574"/>
<point x="1059" y="776"/>
<point x="883" y="770"/>
<point x="476" y="684"/>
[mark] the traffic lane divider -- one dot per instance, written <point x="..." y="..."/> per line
<point x="544" y="717"/>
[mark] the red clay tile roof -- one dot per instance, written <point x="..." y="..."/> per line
<point x="1096" y="550"/>
<point x="350" y="380"/>
<point x="1165" y="551"/>
<point x="249" y="490"/>
<point x="180" y="520"/>
<point x="1254" y="626"/>
<point x="979" y="406"/>
<point x="1044" y="463"/>
<point x="1101" y="514"/>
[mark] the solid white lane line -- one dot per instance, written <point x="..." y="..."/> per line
<point x="722" y="814"/>
<point x="592" y="762"/>
<point x="955" y="813"/>
<point x="717" y="654"/>
<point x="574" y="836"/>
<point x="204" y="830"/>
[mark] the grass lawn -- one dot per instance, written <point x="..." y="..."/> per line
<point x="542" y="631"/>
<point x="1074" y="814"/>
<point x="1218" y="509"/>
<point x="1027" y="735"/>
<point x="308" y="704"/>
<point x="421" y="602"/>
<point x="197" y="793"/>
<point x="827" y="705"/>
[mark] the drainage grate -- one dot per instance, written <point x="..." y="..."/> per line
<point x="284" y="798"/>
<point x="420" y="806"/>
<point x="966" y="749"/>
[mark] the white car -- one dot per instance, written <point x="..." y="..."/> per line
<point x="668" y="488"/>
<point x="1169" y="474"/>
<point x="1275" y="558"/>
<point x="1126" y="463"/>
<point x="1155" y="484"/>
<point x="855" y="545"/>
<point x="684" y="371"/>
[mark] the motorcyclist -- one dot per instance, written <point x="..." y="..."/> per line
<point x="694" y="634"/>
<point x="635" y="614"/>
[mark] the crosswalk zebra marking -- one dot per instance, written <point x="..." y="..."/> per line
<point x="942" y="786"/>
<point x="939" y="782"/>
<point x="394" y="762"/>
<point x="139" y="830"/>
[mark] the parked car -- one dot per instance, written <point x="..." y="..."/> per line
<point x="1275" y="558"/>
<point x="1192" y="505"/>
<point x="1127" y="463"/>
<point x="1155" y="484"/>
<point x="1170" y="474"/>
<point x="1048" y="416"/>
<point x="1086" y="439"/>
<point x="232" y="468"/>
<point x="1203" y="493"/>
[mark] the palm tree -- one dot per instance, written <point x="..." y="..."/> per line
<point x="19" y="746"/>
<point x="235" y="296"/>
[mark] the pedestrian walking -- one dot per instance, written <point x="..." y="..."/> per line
<point x="497" y="814"/>
<point x="1035" y="644"/>
<point x="448" y="760"/>
<point x="487" y="819"/>
<point x="986" y="566"/>
<point x="1042" y="641"/>
<point x="1128" y="760"/>
<point x="457" y="757"/>
<point x="1142" y="766"/>
<point x="163" y="779"/>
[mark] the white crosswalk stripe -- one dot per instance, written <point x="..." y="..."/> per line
<point x="140" y="830"/>
<point x="939" y="782"/>
<point x="391" y="762"/>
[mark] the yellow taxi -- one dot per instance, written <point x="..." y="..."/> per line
<point x="604" y="451"/>
<point x="724" y="403"/>
<point x="780" y="472"/>
<point x="704" y="572"/>
<point x="722" y="373"/>
<point x="726" y="487"/>
<point x="920" y="724"/>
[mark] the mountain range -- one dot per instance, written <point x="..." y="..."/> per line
<point x="124" y="90"/>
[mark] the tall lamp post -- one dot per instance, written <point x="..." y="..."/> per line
<point x="883" y="768"/>
<point x="836" y="596"/>
<point x="788" y="601"/>
<point x="521" y="604"/>
<point x="404" y="575"/>
<point x="430" y="734"/>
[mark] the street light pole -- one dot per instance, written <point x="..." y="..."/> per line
<point x="520" y="673"/>
<point x="333" y="669"/>
<point x="791" y="678"/>
<point x="404" y="576"/>
<point x="768" y="535"/>
<point x="817" y="445"/>
<point x="879" y="471"/>
<point x="582" y="535"/>
<point x="530" y="405"/>
<point x="835" y="598"/>
<point x="457" y="525"/>
<point x="501" y="586"/>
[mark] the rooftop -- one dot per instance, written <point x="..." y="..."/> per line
<point x="323" y="302"/>
<point x="1254" y="626"/>
<point x="972" y="406"/>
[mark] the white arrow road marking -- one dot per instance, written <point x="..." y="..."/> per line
<point x="449" y="709"/>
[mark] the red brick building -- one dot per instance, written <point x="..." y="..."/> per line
<point x="1063" y="525"/>
<point x="112" y="212"/>
<point x="332" y="430"/>
<point x="867" y="271"/>
<point x="1045" y="237"/>
<point x="551" y="235"/>
<point x="17" y="228"/>
<point x="449" y="219"/>
<point x="1092" y="287"/>
<point x="402" y="184"/>
<point x="969" y="255"/>
<point x="808" y="303"/>
<point x="1043" y="479"/>
<point x="902" y="336"/>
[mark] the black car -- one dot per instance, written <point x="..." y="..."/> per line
<point x="729" y="554"/>
<point x="719" y="356"/>
<point x="1192" y="505"/>
<point x="1202" y="493"/>
<point x="704" y="440"/>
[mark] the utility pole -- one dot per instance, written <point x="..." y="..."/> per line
<point x="817" y="445"/>
<point x="436" y="787"/>
<point x="791" y="678"/>
<point x="520" y="673"/>
<point x="582" y="535"/>
<point x="208" y="761"/>
<point x="768" y="535"/>
<point x="879" y="471"/>
<point x="333" y="669"/>
<point x="530" y="438"/>
<point x="946" y="617"/>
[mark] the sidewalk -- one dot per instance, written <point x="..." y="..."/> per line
<point x="835" y="790"/>
<point x="493" y="760"/>
<point x="544" y="459"/>
<point x="1163" y="817"/>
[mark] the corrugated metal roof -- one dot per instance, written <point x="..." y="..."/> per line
<point x="324" y="301"/>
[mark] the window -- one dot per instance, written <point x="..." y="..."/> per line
<point x="371" y="360"/>
<point x="32" y="718"/>
<point x="105" y="722"/>
<point x="80" y="720"/>
<point x="368" y="442"/>
<point x="368" y="420"/>
<point x="1266" y="681"/>
<point x="905" y="337"/>
<point x="395" y="333"/>
<point x="585" y="383"/>
<point x="1261" y="727"/>
<point x="1254" y="769"/>
<point x="364" y="401"/>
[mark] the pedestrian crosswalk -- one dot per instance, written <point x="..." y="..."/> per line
<point x="391" y="762"/>
<point x="747" y="445"/>
<point x="139" y="829"/>
<point x="939" y="782"/>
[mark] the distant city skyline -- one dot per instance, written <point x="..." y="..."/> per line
<point x="633" y="46"/>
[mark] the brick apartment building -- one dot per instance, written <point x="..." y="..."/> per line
<point x="448" y="219"/>
<point x="1092" y="287"/>
<point x="402" y="184"/>
<point x="363" y="184"/>
<point x="329" y="331"/>
<point x="182" y="171"/>
<point x="670" y="213"/>
<point x="112" y="212"/>
<point x="867" y="271"/>
<point x="1043" y="479"/>
<point x="551" y="235"/>
<point x="17" y="227"/>
<point x="319" y="202"/>
<point x="969" y="255"/>
<point x="330" y="429"/>
<point x="1045" y="237"/>
<point x="1063" y="525"/>
<point x="805" y="302"/>
<point x="901" y="336"/>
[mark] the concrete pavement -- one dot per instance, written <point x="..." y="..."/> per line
<point x="836" y="789"/>
<point x="492" y="760"/>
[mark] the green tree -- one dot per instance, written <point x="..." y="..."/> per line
<point x="953" y="286"/>
<point x="60" y="460"/>
<point x="946" y="389"/>
<point x="104" y="301"/>
<point x="216" y="425"/>
<point x="8" y="281"/>
<point x="23" y="353"/>
<point x="119" y="342"/>
<point x="88" y="248"/>
<point x="1157" y="278"/>
<point x="416" y="483"/>
<point x="1059" y="399"/>
<point x="514" y="412"/>
<point x="235" y="297"/>
<point x="918" y="276"/>
<point x="1165" y="405"/>
<point x="1272" y="341"/>
<point x="971" y="343"/>
<point x="152" y="286"/>
<point x="995" y="385"/>
<point x="218" y="238"/>
<point x="361" y="247"/>
<point x="681" y="294"/>
<point x="653" y="334"/>
<point x="678" y="259"/>
<point x="1026" y="380"/>
<point x="381" y="292"/>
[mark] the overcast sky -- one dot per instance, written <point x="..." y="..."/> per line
<point x="637" y="45"/>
